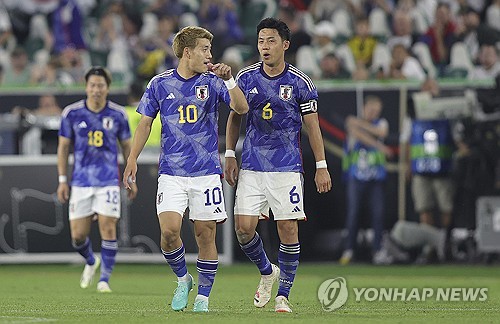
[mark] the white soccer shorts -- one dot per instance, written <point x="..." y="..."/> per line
<point x="280" y="191"/>
<point x="86" y="201"/>
<point x="203" y="195"/>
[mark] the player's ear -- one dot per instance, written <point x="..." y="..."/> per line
<point x="286" y="45"/>
<point x="187" y="52"/>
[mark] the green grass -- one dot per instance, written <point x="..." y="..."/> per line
<point x="142" y="293"/>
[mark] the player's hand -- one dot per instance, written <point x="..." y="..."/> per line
<point x="63" y="192"/>
<point x="323" y="180"/>
<point x="222" y="70"/>
<point x="231" y="171"/>
<point x="132" y="193"/>
<point x="129" y="174"/>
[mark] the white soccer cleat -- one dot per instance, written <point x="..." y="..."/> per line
<point x="88" y="273"/>
<point x="263" y="293"/>
<point x="282" y="305"/>
<point x="103" y="287"/>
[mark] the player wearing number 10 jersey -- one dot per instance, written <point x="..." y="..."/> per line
<point x="187" y="100"/>
<point x="280" y="98"/>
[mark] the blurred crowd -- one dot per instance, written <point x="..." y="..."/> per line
<point x="52" y="42"/>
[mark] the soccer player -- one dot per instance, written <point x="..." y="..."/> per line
<point x="281" y="98"/>
<point x="95" y="126"/>
<point x="187" y="100"/>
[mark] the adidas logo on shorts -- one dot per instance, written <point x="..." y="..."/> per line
<point x="217" y="210"/>
<point x="296" y="209"/>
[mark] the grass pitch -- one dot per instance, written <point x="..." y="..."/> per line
<point x="142" y="294"/>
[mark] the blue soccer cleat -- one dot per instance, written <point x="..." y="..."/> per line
<point x="181" y="293"/>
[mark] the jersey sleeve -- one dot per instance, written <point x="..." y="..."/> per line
<point x="222" y="91"/>
<point x="308" y="97"/>
<point x="124" y="131"/>
<point x="149" y="105"/>
<point x="66" y="129"/>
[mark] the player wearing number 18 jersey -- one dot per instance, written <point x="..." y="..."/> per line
<point x="280" y="98"/>
<point x="95" y="126"/>
<point x="187" y="100"/>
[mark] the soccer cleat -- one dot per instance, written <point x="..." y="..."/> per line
<point x="103" y="287"/>
<point x="282" y="305"/>
<point x="200" y="304"/>
<point x="263" y="293"/>
<point x="346" y="257"/>
<point x="88" y="273"/>
<point x="181" y="293"/>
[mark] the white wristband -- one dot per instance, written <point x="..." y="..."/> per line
<point x="63" y="179"/>
<point x="230" y="153"/>
<point x="230" y="84"/>
<point x="321" y="164"/>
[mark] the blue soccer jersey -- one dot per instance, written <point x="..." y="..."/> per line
<point x="95" y="137"/>
<point x="189" y="113"/>
<point x="274" y="122"/>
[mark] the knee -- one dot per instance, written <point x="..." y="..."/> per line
<point x="169" y="236"/>
<point x="78" y="237"/>
<point x="244" y="233"/>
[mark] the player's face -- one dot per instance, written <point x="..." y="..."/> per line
<point x="200" y="56"/>
<point x="271" y="47"/>
<point x="97" y="89"/>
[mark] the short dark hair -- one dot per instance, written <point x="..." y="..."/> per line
<point x="100" y="71"/>
<point x="273" y="23"/>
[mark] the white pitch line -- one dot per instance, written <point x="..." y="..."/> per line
<point x="21" y="319"/>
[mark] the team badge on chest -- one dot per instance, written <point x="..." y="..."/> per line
<point x="202" y="92"/>
<point x="107" y="123"/>
<point x="286" y="92"/>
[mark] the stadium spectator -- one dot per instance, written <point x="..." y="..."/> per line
<point x="271" y="167"/>
<point x="489" y="65"/>
<point x="67" y="27"/>
<point x="405" y="66"/>
<point x="476" y="33"/>
<point x="309" y="56"/>
<point x="430" y="146"/>
<point x="402" y="30"/>
<point x="364" y="166"/>
<point x="440" y="37"/>
<point x="362" y="45"/>
<point x="187" y="99"/>
<point x="493" y="15"/>
<point x="95" y="126"/>
<point x="221" y="18"/>
<point x="18" y="72"/>
<point x="332" y="68"/>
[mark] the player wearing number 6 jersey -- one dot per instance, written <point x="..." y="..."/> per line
<point x="186" y="100"/>
<point x="95" y="126"/>
<point x="281" y="98"/>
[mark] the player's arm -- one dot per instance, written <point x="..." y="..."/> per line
<point x="63" y="147"/>
<point x="238" y="101"/>
<point x="322" y="177"/>
<point x="126" y="146"/>
<point x="232" y="135"/>
<point x="141" y="135"/>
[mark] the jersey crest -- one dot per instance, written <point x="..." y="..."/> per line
<point x="286" y="92"/>
<point x="202" y="92"/>
<point x="107" y="123"/>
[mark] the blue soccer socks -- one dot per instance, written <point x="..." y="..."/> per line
<point x="108" y="256"/>
<point x="254" y="250"/>
<point x="206" y="275"/>
<point x="85" y="251"/>
<point x="288" y="259"/>
<point x="176" y="260"/>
